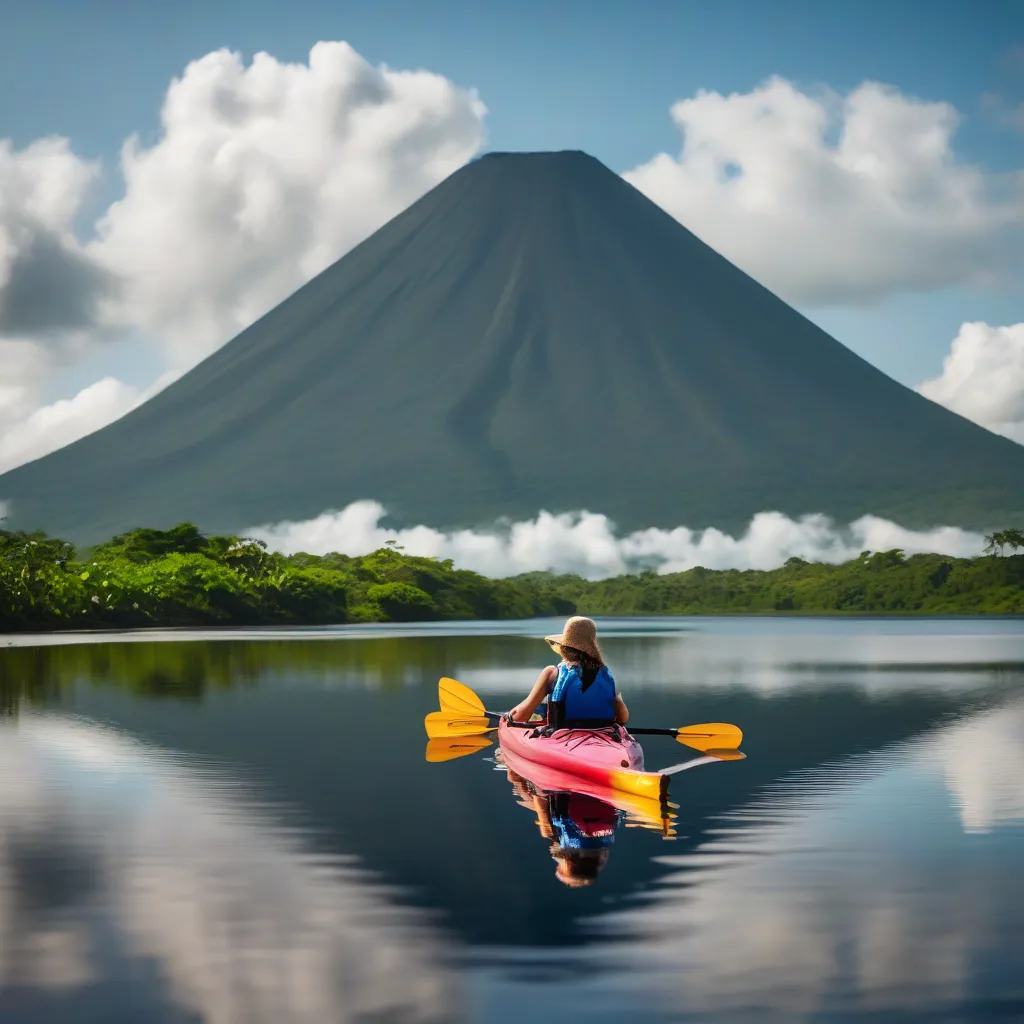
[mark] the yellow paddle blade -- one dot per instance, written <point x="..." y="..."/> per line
<point x="725" y="754"/>
<point x="457" y="699"/>
<point x="448" y="749"/>
<point x="442" y="724"/>
<point x="710" y="735"/>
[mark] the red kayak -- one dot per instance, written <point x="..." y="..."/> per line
<point x="608" y="758"/>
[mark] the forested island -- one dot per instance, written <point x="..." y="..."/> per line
<point x="180" y="577"/>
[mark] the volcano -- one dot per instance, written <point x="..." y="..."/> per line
<point x="533" y="333"/>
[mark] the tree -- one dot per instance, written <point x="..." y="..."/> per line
<point x="999" y="540"/>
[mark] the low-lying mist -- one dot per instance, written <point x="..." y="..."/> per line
<point x="586" y="543"/>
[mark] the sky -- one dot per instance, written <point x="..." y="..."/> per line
<point x="160" y="189"/>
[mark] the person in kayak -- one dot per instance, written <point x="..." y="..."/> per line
<point x="580" y="690"/>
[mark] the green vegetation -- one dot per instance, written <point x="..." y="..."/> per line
<point x="179" y="577"/>
<point x="998" y="542"/>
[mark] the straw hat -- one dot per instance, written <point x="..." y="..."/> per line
<point x="580" y="633"/>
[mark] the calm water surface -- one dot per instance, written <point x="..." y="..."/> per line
<point x="244" y="830"/>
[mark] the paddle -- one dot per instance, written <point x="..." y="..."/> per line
<point x="463" y="710"/>
<point x="707" y="736"/>
<point x="731" y="755"/>
<point x="448" y="749"/>
<point x="458" y="698"/>
<point x="444" y="725"/>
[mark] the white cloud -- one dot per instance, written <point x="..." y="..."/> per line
<point x="51" y="291"/>
<point x="263" y="175"/>
<point x="53" y="426"/>
<point x="585" y="542"/>
<point x="983" y="378"/>
<point x="836" y="200"/>
<point x="47" y="282"/>
<point x="29" y="430"/>
<point x="25" y="367"/>
<point x="266" y="174"/>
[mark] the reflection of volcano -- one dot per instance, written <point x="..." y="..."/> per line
<point x="287" y="730"/>
<point x="838" y="896"/>
<point x="983" y="761"/>
<point x="126" y="881"/>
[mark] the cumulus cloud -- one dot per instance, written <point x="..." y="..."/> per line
<point x="264" y="175"/>
<point x="983" y="378"/>
<point x="53" y="426"/>
<point x="48" y="283"/>
<point x="836" y="200"/>
<point x="25" y="366"/>
<point x="586" y="543"/>
<point x="29" y="429"/>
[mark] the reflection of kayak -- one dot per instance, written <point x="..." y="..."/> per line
<point x="608" y="759"/>
<point x="644" y="811"/>
<point x="579" y="828"/>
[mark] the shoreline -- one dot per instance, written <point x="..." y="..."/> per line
<point x="610" y="625"/>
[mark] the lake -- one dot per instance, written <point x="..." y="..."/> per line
<point x="243" y="827"/>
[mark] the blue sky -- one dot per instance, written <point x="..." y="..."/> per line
<point x="598" y="76"/>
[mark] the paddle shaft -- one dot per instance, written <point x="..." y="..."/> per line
<point x="676" y="733"/>
<point x="635" y="732"/>
<point x="668" y="732"/>
<point x="472" y="718"/>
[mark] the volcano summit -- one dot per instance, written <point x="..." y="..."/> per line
<point x="532" y="333"/>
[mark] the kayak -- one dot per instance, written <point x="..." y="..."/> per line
<point x="608" y="758"/>
<point x="650" y="812"/>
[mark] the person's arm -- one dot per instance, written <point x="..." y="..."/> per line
<point x="540" y="805"/>
<point x="541" y="688"/>
<point x="621" y="711"/>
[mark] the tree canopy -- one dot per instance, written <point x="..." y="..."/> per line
<point x="180" y="577"/>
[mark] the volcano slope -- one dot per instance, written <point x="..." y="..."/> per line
<point x="532" y="333"/>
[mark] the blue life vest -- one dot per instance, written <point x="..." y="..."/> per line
<point x="582" y="823"/>
<point x="571" y="837"/>
<point x="570" y="702"/>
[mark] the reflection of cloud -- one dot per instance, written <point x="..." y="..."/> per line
<point x="243" y="924"/>
<point x="983" y="762"/>
<point x="778" y="656"/>
<point x="838" y="890"/>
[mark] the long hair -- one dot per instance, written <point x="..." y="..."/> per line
<point x="589" y="665"/>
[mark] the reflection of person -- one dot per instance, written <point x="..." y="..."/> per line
<point x="579" y="868"/>
<point x="581" y="689"/>
<point x="585" y="830"/>
<point x="581" y="830"/>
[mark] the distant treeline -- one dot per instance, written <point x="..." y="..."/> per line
<point x="180" y="577"/>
